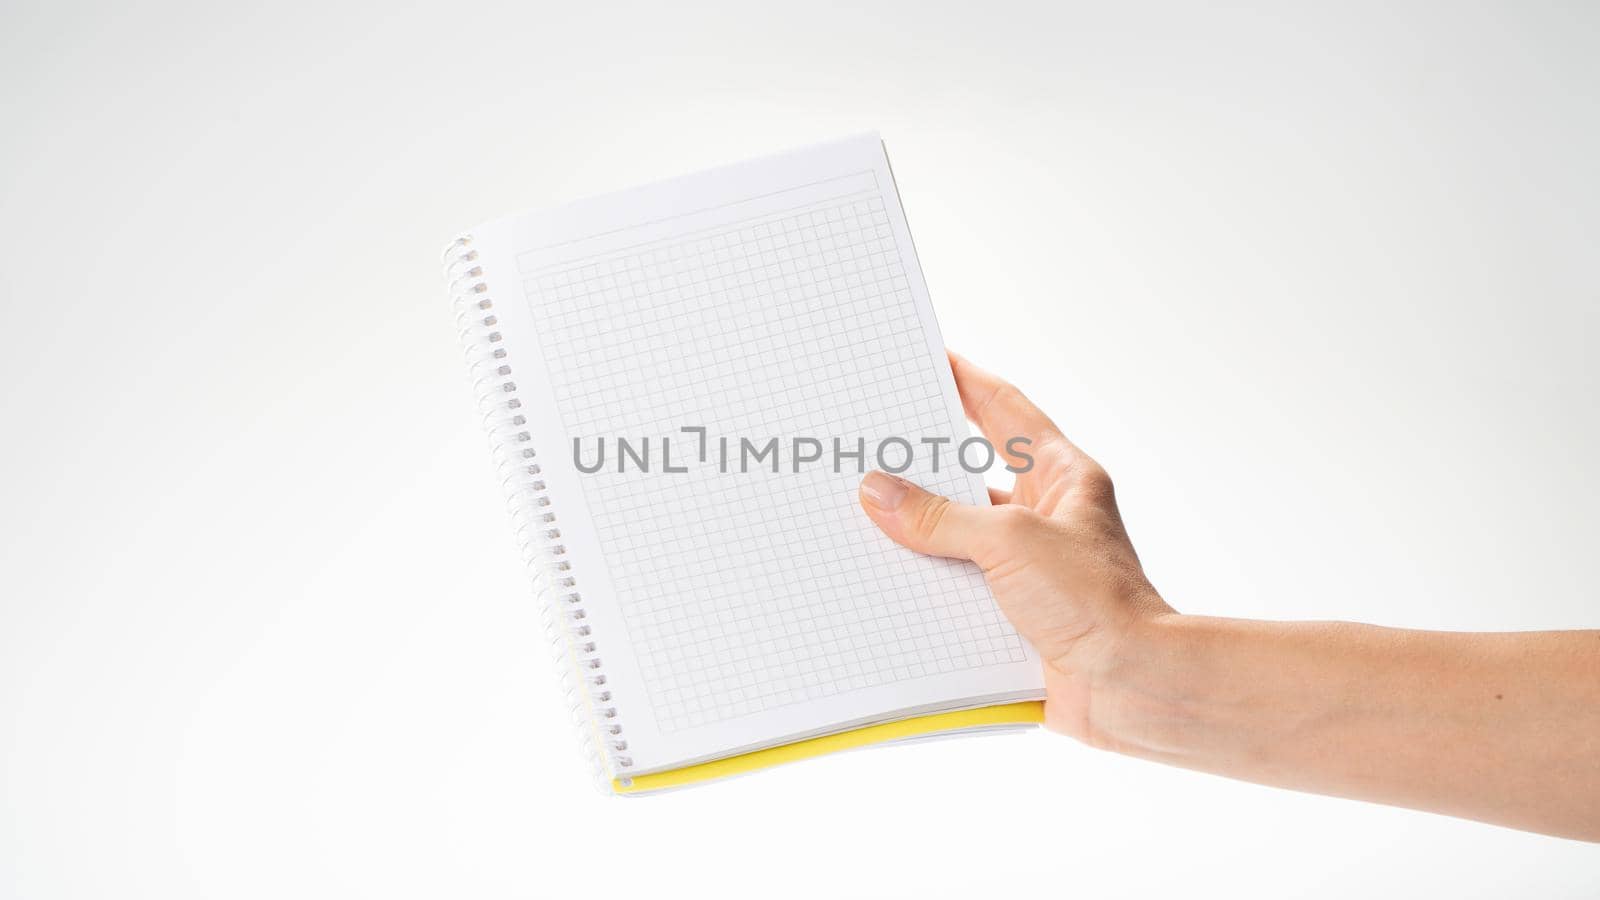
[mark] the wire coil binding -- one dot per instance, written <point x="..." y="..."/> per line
<point x="538" y="536"/>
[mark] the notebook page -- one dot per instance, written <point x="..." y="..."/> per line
<point x="735" y="606"/>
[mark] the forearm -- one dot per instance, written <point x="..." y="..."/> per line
<point x="1499" y="727"/>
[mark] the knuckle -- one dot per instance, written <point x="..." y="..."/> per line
<point x="1013" y="521"/>
<point x="930" y="514"/>
<point x="1004" y="393"/>
<point x="1009" y="394"/>
<point x="1094" y="479"/>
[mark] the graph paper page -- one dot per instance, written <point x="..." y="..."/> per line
<point x="734" y="606"/>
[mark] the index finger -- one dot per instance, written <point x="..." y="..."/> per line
<point x="999" y="410"/>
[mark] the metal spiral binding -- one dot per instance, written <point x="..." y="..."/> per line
<point x="566" y="624"/>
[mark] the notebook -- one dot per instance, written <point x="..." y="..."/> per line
<point x="683" y="384"/>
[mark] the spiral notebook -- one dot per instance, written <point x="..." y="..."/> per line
<point x="710" y="615"/>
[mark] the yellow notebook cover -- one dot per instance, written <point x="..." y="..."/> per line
<point x="1028" y="713"/>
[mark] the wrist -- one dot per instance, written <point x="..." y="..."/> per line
<point x="1154" y="690"/>
<point x="1210" y="693"/>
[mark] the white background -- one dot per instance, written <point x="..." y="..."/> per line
<point x="1318" y="287"/>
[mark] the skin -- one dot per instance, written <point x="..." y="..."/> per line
<point x="1503" y="728"/>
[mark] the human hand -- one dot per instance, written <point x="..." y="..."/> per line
<point x="1054" y="550"/>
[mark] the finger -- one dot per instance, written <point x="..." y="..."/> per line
<point x="999" y="410"/>
<point x="927" y="523"/>
<point x="999" y="496"/>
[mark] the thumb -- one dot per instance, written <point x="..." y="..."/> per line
<point x="924" y="522"/>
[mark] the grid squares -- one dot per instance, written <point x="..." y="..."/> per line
<point x="748" y="591"/>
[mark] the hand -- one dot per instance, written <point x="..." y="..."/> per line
<point x="1054" y="550"/>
